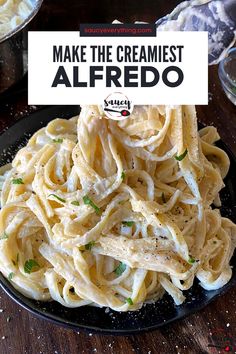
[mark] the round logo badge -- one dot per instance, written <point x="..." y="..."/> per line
<point x="117" y="106"/>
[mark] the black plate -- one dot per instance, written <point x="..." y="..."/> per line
<point x="100" y="319"/>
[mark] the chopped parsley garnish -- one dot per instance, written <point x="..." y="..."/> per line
<point x="120" y="269"/>
<point x="163" y="197"/>
<point x="17" y="260"/>
<point x="4" y="236"/>
<point x="129" y="301"/>
<point x="123" y="176"/>
<point x="58" y="141"/>
<point x="181" y="157"/>
<point x="88" y="201"/>
<point x="29" y="265"/>
<point x="89" y="245"/>
<point x="191" y="260"/>
<point x="59" y="198"/>
<point x="17" y="181"/>
<point x="10" y="276"/>
<point x="128" y="223"/>
<point x="75" y="202"/>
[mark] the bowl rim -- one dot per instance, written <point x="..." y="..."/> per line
<point x="18" y="28"/>
<point x="224" y="77"/>
<point x="18" y="298"/>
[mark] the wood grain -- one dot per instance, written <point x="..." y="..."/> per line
<point x="23" y="333"/>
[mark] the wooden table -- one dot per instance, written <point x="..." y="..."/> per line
<point x="21" y="332"/>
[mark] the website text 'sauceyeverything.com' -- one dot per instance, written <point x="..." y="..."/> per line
<point x="117" y="29"/>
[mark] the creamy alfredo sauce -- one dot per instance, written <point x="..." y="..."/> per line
<point x="13" y="13"/>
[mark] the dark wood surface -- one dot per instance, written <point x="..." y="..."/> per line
<point x="21" y="332"/>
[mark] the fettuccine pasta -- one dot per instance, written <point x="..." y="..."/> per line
<point x="116" y="213"/>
